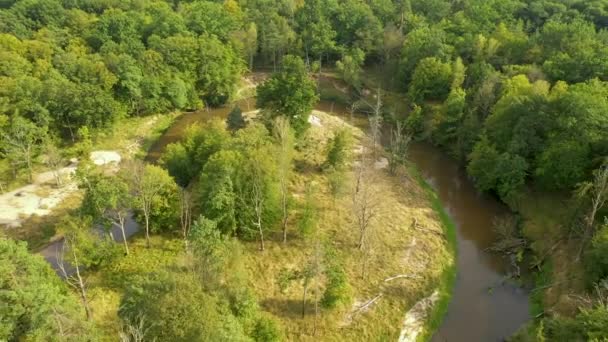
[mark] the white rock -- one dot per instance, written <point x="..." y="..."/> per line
<point x="314" y="120"/>
<point x="382" y="163"/>
<point x="105" y="157"/>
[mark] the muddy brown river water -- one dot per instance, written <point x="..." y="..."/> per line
<point x="483" y="306"/>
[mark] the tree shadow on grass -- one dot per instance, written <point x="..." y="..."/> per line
<point x="289" y="308"/>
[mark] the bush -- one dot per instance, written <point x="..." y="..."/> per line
<point x="597" y="256"/>
<point x="337" y="150"/>
<point x="267" y="330"/>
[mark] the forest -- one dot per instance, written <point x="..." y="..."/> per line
<point x="239" y="211"/>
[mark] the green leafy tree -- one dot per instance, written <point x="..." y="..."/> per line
<point x="21" y="142"/>
<point x="285" y="141"/>
<point x="289" y="92"/>
<point x="338" y="149"/>
<point x="216" y="190"/>
<point x="596" y="261"/>
<point x="350" y="67"/>
<point x="108" y="201"/>
<point x="235" y="119"/>
<point x="316" y="31"/>
<point x="155" y="196"/>
<point x="175" y="307"/>
<point x="419" y="44"/>
<point x="36" y="304"/>
<point x="431" y="80"/>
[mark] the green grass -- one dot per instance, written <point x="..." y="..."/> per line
<point x="541" y="279"/>
<point x="448" y="277"/>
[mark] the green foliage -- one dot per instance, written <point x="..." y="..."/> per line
<point x="185" y="159"/>
<point x="431" y="80"/>
<point x="216" y="189"/>
<point x="337" y="290"/>
<point x="307" y="220"/>
<point x="267" y="330"/>
<point x="35" y="304"/>
<point x="175" y="307"/>
<point x="235" y="119"/>
<point x="589" y="325"/>
<point x="415" y="120"/>
<point x="597" y="256"/>
<point x="504" y="172"/>
<point x="419" y="44"/>
<point x="350" y="67"/>
<point x="338" y="148"/>
<point x="357" y="26"/>
<point x="20" y="143"/>
<point x="289" y="92"/>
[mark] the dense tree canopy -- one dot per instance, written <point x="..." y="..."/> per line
<point x="36" y="304"/>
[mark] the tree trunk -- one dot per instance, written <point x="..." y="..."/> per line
<point x="147" y="214"/>
<point x="304" y="299"/>
<point x="261" y="234"/>
<point x="314" y="327"/>
<point x="28" y="159"/>
<point x="284" y="203"/>
<point x="124" y="235"/>
<point x="361" y="237"/>
<point x="83" y="292"/>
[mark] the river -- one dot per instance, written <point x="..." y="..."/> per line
<point x="483" y="307"/>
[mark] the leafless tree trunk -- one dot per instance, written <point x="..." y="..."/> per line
<point x="597" y="190"/>
<point x="285" y="138"/>
<point x="375" y="120"/>
<point x="364" y="205"/>
<point x="304" y="297"/>
<point x="258" y="203"/>
<point x="398" y="147"/>
<point x="120" y="223"/>
<point x="76" y="281"/>
<point x="54" y="161"/>
<point x="133" y="332"/>
<point x="146" y="191"/>
<point x="185" y="214"/>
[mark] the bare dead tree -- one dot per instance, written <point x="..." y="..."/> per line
<point x="257" y="195"/>
<point x="399" y="144"/>
<point x="597" y="192"/>
<point x="285" y="138"/>
<point x="54" y="160"/>
<point x="118" y="217"/>
<point x="133" y="331"/>
<point x="75" y="279"/>
<point x="146" y="190"/>
<point x="364" y="205"/>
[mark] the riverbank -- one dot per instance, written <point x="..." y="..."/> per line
<point x="482" y="291"/>
<point x="420" y="255"/>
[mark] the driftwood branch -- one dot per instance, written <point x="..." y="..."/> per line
<point x="407" y="276"/>
<point x="540" y="260"/>
<point x="367" y="304"/>
<point x="416" y="226"/>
